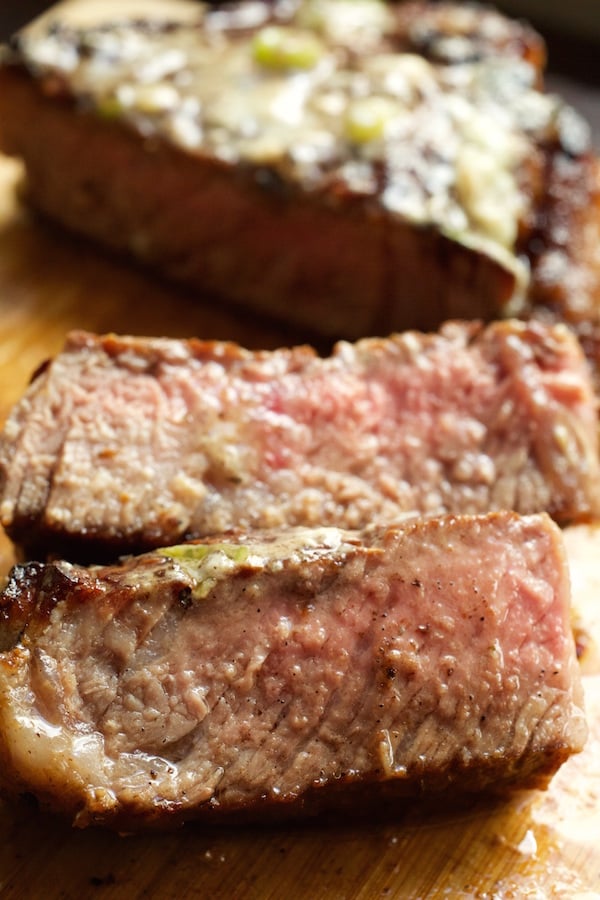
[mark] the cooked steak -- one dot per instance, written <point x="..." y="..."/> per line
<point x="130" y="443"/>
<point x="352" y="168"/>
<point x="260" y="675"/>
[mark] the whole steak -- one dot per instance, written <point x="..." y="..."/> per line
<point x="350" y="168"/>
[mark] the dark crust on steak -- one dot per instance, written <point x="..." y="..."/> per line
<point x="125" y="444"/>
<point x="565" y="246"/>
<point x="423" y="28"/>
<point x="322" y="258"/>
<point x="449" y="636"/>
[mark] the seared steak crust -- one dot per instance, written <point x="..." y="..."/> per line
<point x="260" y="675"/>
<point x="130" y="443"/>
<point x="307" y="213"/>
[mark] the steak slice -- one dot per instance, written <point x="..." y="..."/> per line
<point x="127" y="443"/>
<point x="398" y="168"/>
<point x="259" y="675"/>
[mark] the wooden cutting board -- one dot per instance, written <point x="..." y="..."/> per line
<point x="538" y="845"/>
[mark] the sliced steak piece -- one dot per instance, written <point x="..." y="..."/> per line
<point x="130" y="443"/>
<point x="283" y="675"/>
<point x="353" y="169"/>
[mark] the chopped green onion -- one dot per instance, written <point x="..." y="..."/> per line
<point x="367" y="119"/>
<point x="285" y="48"/>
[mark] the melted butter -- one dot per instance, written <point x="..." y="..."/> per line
<point x="303" y="95"/>
<point x="359" y="23"/>
<point x="207" y="564"/>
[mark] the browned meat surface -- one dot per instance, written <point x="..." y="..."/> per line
<point x="453" y="33"/>
<point x="365" y="179"/>
<point x="125" y="443"/>
<point x="568" y="258"/>
<point x="261" y="675"/>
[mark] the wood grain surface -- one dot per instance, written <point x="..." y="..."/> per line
<point x="538" y="845"/>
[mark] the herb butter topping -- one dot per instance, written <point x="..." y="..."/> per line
<point x="206" y="564"/>
<point x="316" y="92"/>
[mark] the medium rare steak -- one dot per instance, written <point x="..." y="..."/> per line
<point x="260" y="675"/>
<point x="130" y="443"/>
<point x="351" y="168"/>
